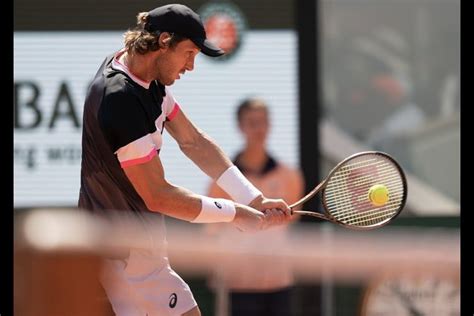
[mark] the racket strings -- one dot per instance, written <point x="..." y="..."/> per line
<point x="340" y="189"/>
<point x="361" y="209"/>
<point x="373" y="219"/>
<point x="385" y="173"/>
<point x="368" y="215"/>
<point x="348" y="169"/>
<point x="361" y="197"/>
<point x="346" y="194"/>
<point x="380" y="171"/>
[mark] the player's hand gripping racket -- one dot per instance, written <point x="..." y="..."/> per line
<point x="364" y="191"/>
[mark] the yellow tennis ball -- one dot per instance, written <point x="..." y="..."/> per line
<point x="378" y="194"/>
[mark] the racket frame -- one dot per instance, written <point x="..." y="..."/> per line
<point x="322" y="185"/>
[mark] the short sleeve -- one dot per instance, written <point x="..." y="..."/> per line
<point x="170" y="106"/>
<point x="125" y="126"/>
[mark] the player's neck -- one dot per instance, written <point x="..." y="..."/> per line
<point x="137" y="65"/>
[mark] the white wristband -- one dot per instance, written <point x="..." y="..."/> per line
<point x="237" y="186"/>
<point x="215" y="211"/>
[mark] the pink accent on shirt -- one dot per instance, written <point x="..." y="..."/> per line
<point x="137" y="161"/>
<point x="174" y="112"/>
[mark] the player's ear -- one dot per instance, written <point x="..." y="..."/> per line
<point x="164" y="40"/>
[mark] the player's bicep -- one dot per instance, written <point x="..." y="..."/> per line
<point x="182" y="129"/>
<point x="147" y="179"/>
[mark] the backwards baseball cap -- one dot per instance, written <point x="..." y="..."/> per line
<point x="179" y="19"/>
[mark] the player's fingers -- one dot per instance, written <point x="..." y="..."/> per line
<point x="288" y="212"/>
<point x="275" y="217"/>
<point x="279" y="204"/>
<point x="283" y="207"/>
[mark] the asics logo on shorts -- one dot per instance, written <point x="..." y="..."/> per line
<point x="218" y="205"/>
<point x="173" y="300"/>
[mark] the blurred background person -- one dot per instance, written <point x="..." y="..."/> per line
<point x="262" y="286"/>
<point x="373" y="85"/>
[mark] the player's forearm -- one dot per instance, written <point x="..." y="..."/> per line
<point x="161" y="196"/>
<point x="207" y="155"/>
<point x="176" y="202"/>
<point x="183" y="204"/>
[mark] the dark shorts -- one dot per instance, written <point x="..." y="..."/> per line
<point x="276" y="303"/>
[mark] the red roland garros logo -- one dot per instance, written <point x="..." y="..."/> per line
<point x="225" y="25"/>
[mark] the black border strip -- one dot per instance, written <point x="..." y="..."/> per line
<point x="309" y="96"/>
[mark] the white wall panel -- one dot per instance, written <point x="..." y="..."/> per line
<point x="265" y="66"/>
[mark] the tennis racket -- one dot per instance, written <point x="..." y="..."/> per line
<point x="364" y="191"/>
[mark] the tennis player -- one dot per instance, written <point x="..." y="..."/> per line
<point x="127" y="108"/>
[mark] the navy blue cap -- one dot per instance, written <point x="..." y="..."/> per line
<point x="179" y="19"/>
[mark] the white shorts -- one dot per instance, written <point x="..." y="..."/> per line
<point x="145" y="285"/>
